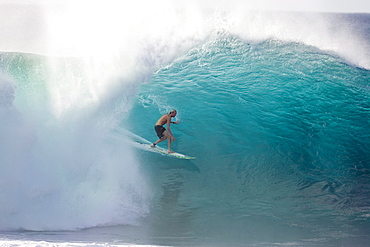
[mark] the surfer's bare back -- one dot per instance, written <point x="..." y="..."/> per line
<point x="162" y="133"/>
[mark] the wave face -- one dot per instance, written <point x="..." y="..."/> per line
<point x="274" y="106"/>
<point x="281" y="135"/>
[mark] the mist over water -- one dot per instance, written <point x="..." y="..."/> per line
<point x="60" y="168"/>
<point x="274" y="106"/>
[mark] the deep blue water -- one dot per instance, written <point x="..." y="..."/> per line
<point x="280" y="129"/>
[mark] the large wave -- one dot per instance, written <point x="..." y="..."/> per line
<point x="280" y="134"/>
<point x="62" y="169"/>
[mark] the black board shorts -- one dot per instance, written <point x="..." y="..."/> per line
<point x="159" y="129"/>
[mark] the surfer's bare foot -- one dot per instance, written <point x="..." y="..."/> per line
<point x="170" y="151"/>
<point x="153" y="145"/>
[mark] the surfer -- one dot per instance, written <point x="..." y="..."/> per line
<point x="162" y="133"/>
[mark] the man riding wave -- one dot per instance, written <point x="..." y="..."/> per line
<point x="162" y="133"/>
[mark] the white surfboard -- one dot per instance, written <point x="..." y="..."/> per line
<point x="163" y="151"/>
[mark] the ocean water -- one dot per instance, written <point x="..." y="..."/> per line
<point x="275" y="106"/>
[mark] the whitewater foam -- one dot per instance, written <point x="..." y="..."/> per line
<point x="148" y="34"/>
<point x="14" y="243"/>
<point x="60" y="167"/>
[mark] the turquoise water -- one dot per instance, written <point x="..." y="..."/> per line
<point x="280" y="129"/>
<point x="281" y="135"/>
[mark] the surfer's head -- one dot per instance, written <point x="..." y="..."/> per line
<point x="173" y="113"/>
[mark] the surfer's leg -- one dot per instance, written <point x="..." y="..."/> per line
<point x="160" y="133"/>
<point x="168" y="137"/>
<point x="160" y="140"/>
<point x="169" y="146"/>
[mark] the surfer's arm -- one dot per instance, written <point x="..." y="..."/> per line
<point x="169" y="127"/>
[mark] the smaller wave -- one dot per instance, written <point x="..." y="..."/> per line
<point x="14" y="243"/>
